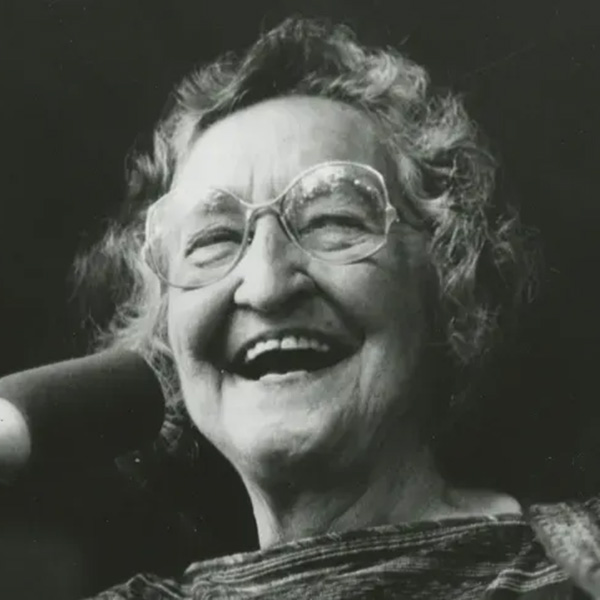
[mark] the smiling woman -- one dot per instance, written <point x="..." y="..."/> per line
<point x="280" y="426"/>
<point x="317" y="260"/>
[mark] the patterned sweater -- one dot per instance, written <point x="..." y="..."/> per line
<point x="535" y="557"/>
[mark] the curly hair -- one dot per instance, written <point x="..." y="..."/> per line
<point x="478" y="249"/>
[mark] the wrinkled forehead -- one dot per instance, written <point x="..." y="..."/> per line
<point x="256" y="152"/>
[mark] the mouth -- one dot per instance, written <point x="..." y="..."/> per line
<point x="288" y="353"/>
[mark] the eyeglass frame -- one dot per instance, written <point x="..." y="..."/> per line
<point x="273" y="206"/>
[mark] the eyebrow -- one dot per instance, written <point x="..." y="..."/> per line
<point x="210" y="196"/>
<point x="211" y="201"/>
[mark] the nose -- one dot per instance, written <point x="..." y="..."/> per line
<point x="272" y="277"/>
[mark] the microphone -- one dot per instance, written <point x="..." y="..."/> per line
<point x="76" y="412"/>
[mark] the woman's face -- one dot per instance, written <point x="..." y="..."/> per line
<point x="372" y="309"/>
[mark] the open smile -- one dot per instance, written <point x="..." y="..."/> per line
<point x="287" y="353"/>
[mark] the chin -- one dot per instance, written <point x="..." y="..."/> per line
<point x="292" y="423"/>
<point x="273" y="424"/>
<point x="279" y="419"/>
<point x="283" y="451"/>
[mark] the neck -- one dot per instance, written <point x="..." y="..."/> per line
<point x="402" y="490"/>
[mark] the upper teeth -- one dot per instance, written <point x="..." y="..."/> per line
<point x="289" y="342"/>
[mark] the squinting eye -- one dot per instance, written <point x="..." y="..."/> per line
<point x="213" y="244"/>
<point x="213" y="236"/>
<point x="345" y="222"/>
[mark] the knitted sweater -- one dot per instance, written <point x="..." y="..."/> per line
<point x="532" y="557"/>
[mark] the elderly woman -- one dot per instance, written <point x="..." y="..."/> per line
<point x="318" y="271"/>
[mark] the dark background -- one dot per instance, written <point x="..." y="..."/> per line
<point x="81" y="79"/>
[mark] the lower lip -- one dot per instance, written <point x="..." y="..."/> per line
<point x="295" y="377"/>
<point x="283" y="377"/>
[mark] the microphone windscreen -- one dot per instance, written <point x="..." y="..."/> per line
<point x="86" y="409"/>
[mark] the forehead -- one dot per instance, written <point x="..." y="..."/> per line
<point x="257" y="151"/>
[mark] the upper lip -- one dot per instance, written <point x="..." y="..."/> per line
<point x="337" y="343"/>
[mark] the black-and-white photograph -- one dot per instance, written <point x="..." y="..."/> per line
<point x="299" y="300"/>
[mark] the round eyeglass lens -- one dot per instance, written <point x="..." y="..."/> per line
<point x="195" y="243"/>
<point x="337" y="213"/>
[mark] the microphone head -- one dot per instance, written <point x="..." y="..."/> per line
<point x="77" y="411"/>
<point x="15" y="442"/>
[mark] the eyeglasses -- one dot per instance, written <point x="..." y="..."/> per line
<point x="337" y="212"/>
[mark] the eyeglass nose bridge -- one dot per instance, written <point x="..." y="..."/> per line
<point x="256" y="212"/>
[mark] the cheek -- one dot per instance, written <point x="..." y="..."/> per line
<point x="383" y="297"/>
<point x="384" y="300"/>
<point x="399" y="295"/>
<point x="193" y="317"/>
<point x="397" y="335"/>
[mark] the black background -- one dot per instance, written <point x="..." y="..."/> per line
<point x="81" y="79"/>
